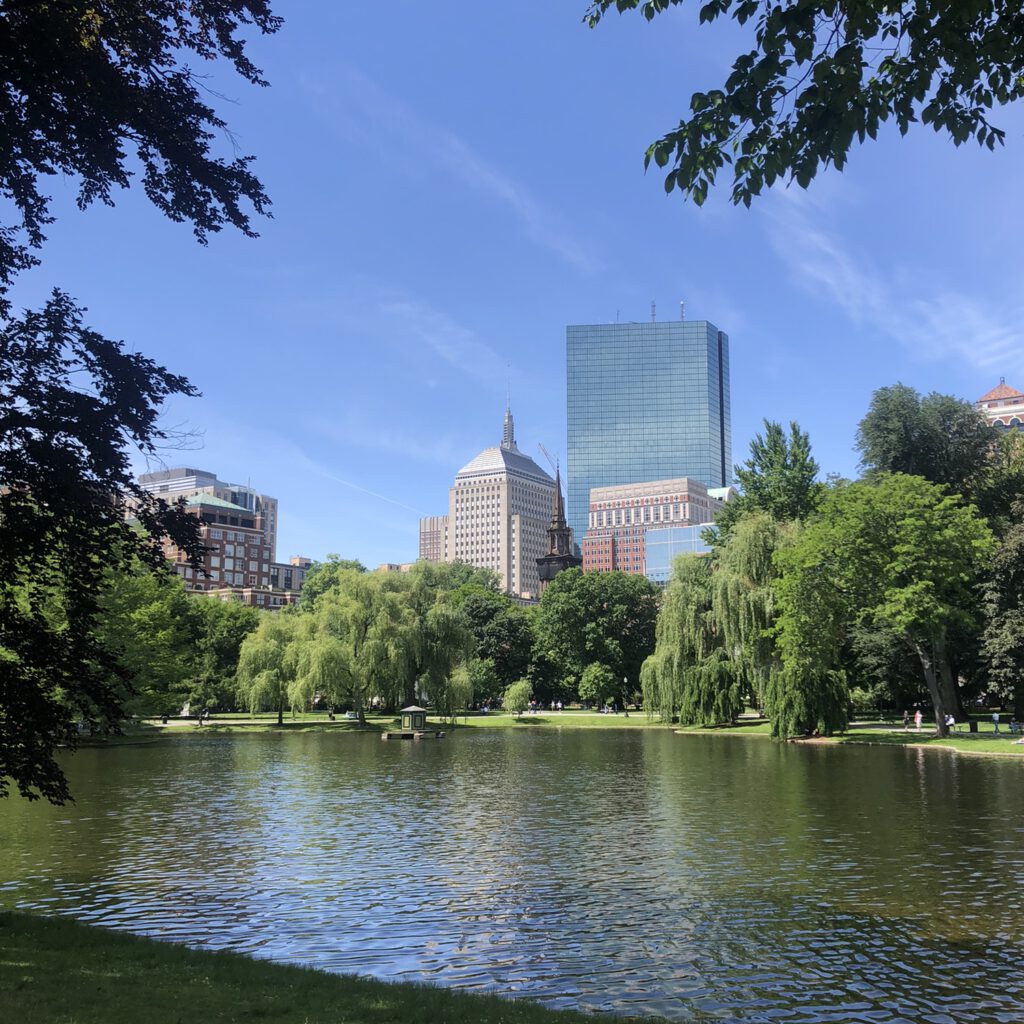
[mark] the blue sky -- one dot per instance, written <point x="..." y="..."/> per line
<point x="453" y="183"/>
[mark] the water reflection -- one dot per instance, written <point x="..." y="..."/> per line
<point x="692" y="877"/>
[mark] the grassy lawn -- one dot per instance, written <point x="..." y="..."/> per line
<point x="878" y="733"/>
<point x="985" y="741"/>
<point x="561" y="720"/>
<point x="152" y="728"/>
<point x="56" y="971"/>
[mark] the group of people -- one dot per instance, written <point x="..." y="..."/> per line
<point x="918" y="718"/>
<point x="537" y="706"/>
<point x="950" y="721"/>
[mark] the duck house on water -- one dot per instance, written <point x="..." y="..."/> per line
<point x="414" y="727"/>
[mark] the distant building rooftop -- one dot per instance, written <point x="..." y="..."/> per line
<point x="209" y="501"/>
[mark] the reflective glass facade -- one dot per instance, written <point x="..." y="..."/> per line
<point x="646" y="401"/>
<point x="665" y="544"/>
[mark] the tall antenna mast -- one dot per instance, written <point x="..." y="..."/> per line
<point x="682" y="310"/>
<point x="653" y="312"/>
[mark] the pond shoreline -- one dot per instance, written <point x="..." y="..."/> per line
<point x="876" y="736"/>
<point x="869" y="734"/>
<point x="56" y="969"/>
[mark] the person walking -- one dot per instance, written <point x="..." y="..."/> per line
<point x="917" y="719"/>
<point x="995" y="722"/>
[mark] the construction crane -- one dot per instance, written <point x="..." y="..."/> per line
<point x="552" y="462"/>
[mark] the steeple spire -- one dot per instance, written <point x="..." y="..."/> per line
<point x="557" y="508"/>
<point x="509" y="438"/>
<point x="560" y="547"/>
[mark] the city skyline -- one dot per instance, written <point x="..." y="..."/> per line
<point x="431" y="240"/>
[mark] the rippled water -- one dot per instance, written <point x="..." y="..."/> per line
<point x="696" y="878"/>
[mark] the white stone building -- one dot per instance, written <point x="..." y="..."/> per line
<point x="498" y="513"/>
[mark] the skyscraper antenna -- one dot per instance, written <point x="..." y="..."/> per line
<point x="653" y="312"/>
<point x="682" y="310"/>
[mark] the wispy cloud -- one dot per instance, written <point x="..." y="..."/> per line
<point x="458" y="346"/>
<point x="931" y="323"/>
<point x="354" y="429"/>
<point x="322" y="471"/>
<point x="445" y="149"/>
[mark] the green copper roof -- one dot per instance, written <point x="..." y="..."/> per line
<point x="211" y="502"/>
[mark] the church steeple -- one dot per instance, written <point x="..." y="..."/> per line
<point x="558" y="532"/>
<point x="560" y="550"/>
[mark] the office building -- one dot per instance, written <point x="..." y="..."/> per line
<point x="621" y="519"/>
<point x="289" y="575"/>
<point x="238" y="529"/>
<point x="1003" y="406"/>
<point x="433" y="538"/>
<point x="184" y="482"/>
<point x="645" y="401"/>
<point x="498" y="516"/>
<point x="236" y="555"/>
<point x="663" y="546"/>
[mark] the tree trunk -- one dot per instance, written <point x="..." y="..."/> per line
<point x="947" y="681"/>
<point x="410" y="690"/>
<point x="280" y="712"/>
<point x="939" y="677"/>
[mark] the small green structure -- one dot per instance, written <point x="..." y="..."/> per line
<point x="414" y="726"/>
<point x="414" y="718"/>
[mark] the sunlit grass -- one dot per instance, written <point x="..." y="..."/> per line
<point x="986" y="741"/>
<point x="56" y="971"/>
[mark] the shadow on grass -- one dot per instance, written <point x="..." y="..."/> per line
<point x="56" y="970"/>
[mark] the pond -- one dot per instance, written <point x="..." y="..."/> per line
<point x="690" y="877"/>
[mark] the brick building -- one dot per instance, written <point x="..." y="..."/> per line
<point x="620" y="517"/>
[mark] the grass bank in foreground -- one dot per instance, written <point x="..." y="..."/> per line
<point x="58" y="971"/>
<point x="880" y="734"/>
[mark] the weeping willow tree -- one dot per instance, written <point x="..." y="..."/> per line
<point x="446" y="641"/>
<point x="382" y="637"/>
<point x="268" y="663"/>
<point x="744" y="599"/>
<point x="690" y="673"/>
<point x="459" y="692"/>
<point x="358" y="645"/>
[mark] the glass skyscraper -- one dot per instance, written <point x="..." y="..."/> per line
<point x="646" y="401"/>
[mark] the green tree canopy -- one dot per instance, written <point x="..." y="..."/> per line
<point x="690" y="673"/>
<point x="598" y="684"/>
<point x="779" y="479"/>
<point x="939" y="437"/>
<point x="821" y="74"/>
<point x="517" y="697"/>
<point x="94" y="92"/>
<point x="98" y="91"/>
<point x="743" y="601"/>
<point x="145" y="621"/>
<point x="897" y="552"/>
<point x="501" y="630"/>
<point x="1003" y="638"/>
<point x="323" y="576"/>
<point x="602" y="617"/>
<point x="218" y="629"/>
<point x="268" y="663"/>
